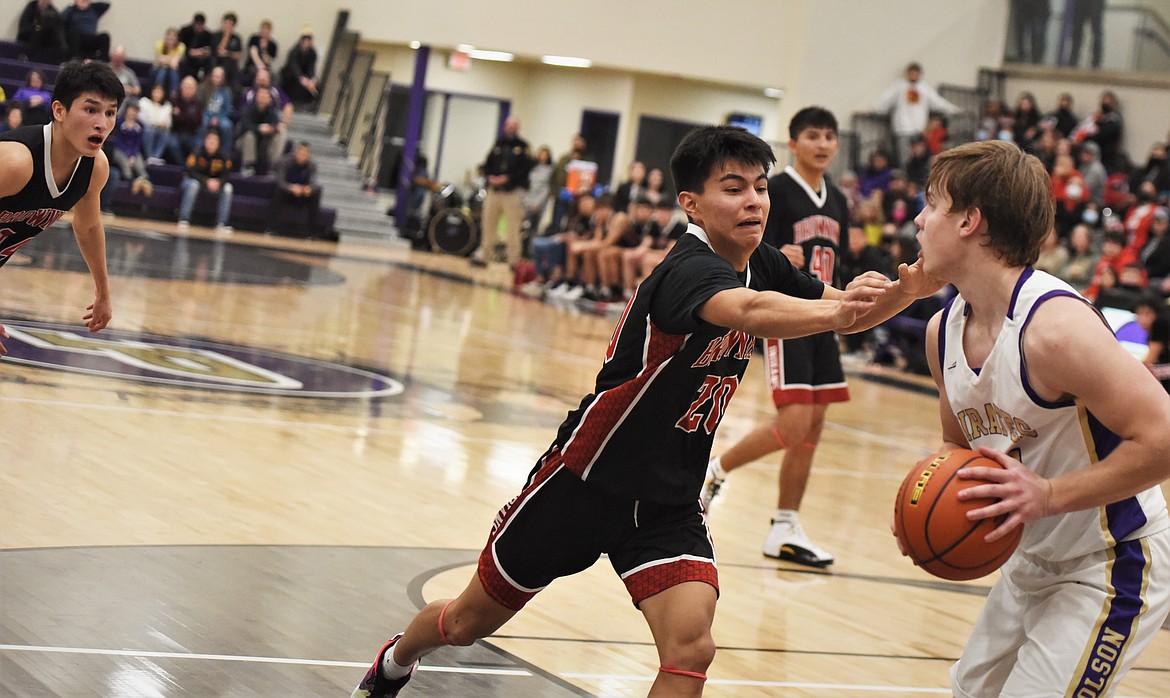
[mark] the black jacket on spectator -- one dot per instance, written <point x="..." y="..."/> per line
<point x="509" y="156"/>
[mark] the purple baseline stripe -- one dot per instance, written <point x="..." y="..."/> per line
<point x="1104" y="659"/>
<point x="1024" y="276"/>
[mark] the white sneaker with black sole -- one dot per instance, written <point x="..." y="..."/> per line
<point x="787" y="541"/>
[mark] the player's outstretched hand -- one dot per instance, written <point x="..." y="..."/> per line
<point x="914" y="280"/>
<point x="99" y="315"/>
<point x="1023" y="495"/>
<point x="3" y="335"/>
<point x="860" y="295"/>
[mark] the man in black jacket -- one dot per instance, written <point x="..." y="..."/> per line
<point x="506" y="172"/>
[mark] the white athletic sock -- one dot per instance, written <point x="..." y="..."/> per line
<point x="786" y="516"/>
<point x="391" y="669"/>
<point x="717" y="467"/>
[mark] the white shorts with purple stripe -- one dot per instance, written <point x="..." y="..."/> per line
<point x="1067" y="629"/>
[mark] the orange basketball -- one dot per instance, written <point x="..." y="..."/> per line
<point x="932" y="526"/>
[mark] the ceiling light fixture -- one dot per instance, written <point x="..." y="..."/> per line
<point x="566" y="61"/>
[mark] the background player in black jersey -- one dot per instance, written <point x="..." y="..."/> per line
<point x="85" y="103"/>
<point x="808" y="219"/>
<point x="623" y="474"/>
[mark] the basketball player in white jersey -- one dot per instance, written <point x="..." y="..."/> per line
<point x="1030" y="375"/>
<point x="48" y="170"/>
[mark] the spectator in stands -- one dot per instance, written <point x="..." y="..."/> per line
<point x="1123" y="292"/>
<point x="1053" y="255"/>
<point x="296" y="185"/>
<point x="1044" y="147"/>
<point x="899" y="205"/>
<point x="627" y="234"/>
<point x="1063" y="121"/>
<point x="1157" y="172"/>
<point x="539" y="191"/>
<point x="1091" y="12"/>
<point x="1114" y="257"/>
<point x="909" y="102"/>
<point x="155" y="113"/>
<point x="670" y="230"/>
<point x="851" y="188"/>
<point x="299" y="75"/>
<point x="630" y="189"/>
<point x="216" y="98"/>
<point x="126" y="75"/>
<point x="1082" y="258"/>
<point x="656" y="189"/>
<point x="80" y="22"/>
<point x="862" y="257"/>
<point x="548" y="251"/>
<point x="207" y="171"/>
<point x="41" y="30"/>
<point x="1104" y="127"/>
<point x="169" y="54"/>
<point x="1031" y="20"/>
<point x="34" y="99"/>
<point x="1025" y="121"/>
<point x="1071" y="194"/>
<point x="562" y="198"/>
<point x="227" y="47"/>
<point x="1093" y="172"/>
<point x="197" y="57"/>
<point x="1139" y="219"/>
<point x="936" y="133"/>
<point x="869" y="217"/>
<point x="257" y="133"/>
<point x="918" y="168"/>
<point x="876" y="175"/>
<point x="261" y="53"/>
<point x="186" y="121"/>
<point x="506" y="168"/>
<point x="1151" y="316"/>
<point x="13" y="119"/>
<point x="580" y="249"/>
<point x="1155" y="256"/>
<point x="263" y="82"/>
<point x="127" y="151"/>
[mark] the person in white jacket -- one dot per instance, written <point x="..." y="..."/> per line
<point x="155" y="114"/>
<point x="909" y="102"/>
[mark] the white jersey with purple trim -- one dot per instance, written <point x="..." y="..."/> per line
<point x="997" y="407"/>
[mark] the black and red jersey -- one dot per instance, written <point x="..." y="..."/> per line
<point x="646" y="431"/>
<point x="40" y="203"/>
<point x="817" y="221"/>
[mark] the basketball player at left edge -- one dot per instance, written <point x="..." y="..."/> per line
<point x="48" y="170"/>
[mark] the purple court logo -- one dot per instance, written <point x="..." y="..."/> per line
<point x="191" y="363"/>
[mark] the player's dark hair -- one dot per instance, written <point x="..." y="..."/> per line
<point x="707" y="147"/>
<point x="77" y="78"/>
<point x="811" y="117"/>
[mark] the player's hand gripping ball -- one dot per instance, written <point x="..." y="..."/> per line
<point x="931" y="522"/>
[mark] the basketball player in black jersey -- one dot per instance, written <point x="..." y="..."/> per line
<point x="48" y="170"/>
<point x="622" y="476"/>
<point x="808" y="219"/>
